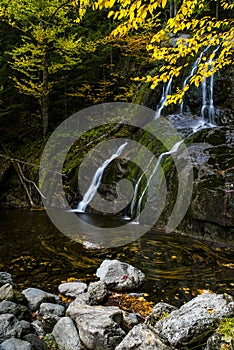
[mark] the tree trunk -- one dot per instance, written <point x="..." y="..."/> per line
<point x="45" y="100"/>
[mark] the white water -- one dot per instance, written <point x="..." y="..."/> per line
<point x="138" y="210"/>
<point x="163" y="99"/>
<point x="208" y="109"/>
<point x="95" y="183"/>
<point x="193" y="70"/>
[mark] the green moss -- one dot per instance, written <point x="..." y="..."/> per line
<point x="226" y="329"/>
<point x="50" y="342"/>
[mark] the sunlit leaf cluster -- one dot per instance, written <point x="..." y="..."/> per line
<point x="181" y="38"/>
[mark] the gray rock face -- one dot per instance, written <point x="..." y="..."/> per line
<point x="6" y="292"/>
<point x="100" y="327"/>
<point x="9" y="327"/>
<point x="51" y="313"/>
<point x="20" y="311"/>
<point x="66" y="335"/>
<point x="5" y="278"/>
<point x="72" y="289"/>
<point x="97" y="292"/>
<point x="160" y="310"/>
<point x="15" y="344"/>
<point x="36" y="296"/>
<point x="195" y="320"/>
<point x="142" y="338"/>
<point x="120" y="276"/>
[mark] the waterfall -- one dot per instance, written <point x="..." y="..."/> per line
<point x="208" y="109"/>
<point x="92" y="190"/>
<point x="211" y="110"/>
<point x="138" y="210"/>
<point x="166" y="91"/>
<point x="204" y="98"/>
<point x="193" y="70"/>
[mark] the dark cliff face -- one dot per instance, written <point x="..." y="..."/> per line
<point x="211" y="213"/>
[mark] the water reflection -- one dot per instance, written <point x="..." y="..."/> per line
<point x="177" y="268"/>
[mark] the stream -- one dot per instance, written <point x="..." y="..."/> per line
<point x="177" y="267"/>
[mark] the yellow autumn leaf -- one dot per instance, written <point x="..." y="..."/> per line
<point x="164" y="2"/>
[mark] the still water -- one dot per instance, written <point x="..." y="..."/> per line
<point x="177" y="267"/>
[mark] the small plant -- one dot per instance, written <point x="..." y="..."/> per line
<point x="226" y="329"/>
<point x="50" y="342"/>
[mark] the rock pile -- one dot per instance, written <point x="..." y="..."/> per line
<point x="37" y="320"/>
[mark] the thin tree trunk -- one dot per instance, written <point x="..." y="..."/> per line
<point x="18" y="171"/>
<point x="45" y="100"/>
<point x="217" y="10"/>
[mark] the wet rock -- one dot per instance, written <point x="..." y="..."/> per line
<point x="72" y="289"/>
<point x="142" y="338"/>
<point x="5" y="278"/>
<point x="6" y="292"/>
<point x="160" y="311"/>
<point x="20" y="311"/>
<point x="36" y="296"/>
<point x="36" y="343"/>
<point x="51" y="313"/>
<point x="195" y="320"/>
<point x="97" y="292"/>
<point x="15" y="344"/>
<point x="100" y="327"/>
<point x="212" y="209"/>
<point x="75" y="305"/>
<point x="66" y="335"/>
<point x="9" y="327"/>
<point x="120" y="276"/>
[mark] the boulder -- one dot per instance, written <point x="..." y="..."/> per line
<point x="39" y="328"/>
<point x="100" y="327"/>
<point x="195" y="320"/>
<point x="75" y="305"/>
<point x="6" y="292"/>
<point x="36" y="343"/>
<point x="214" y="342"/>
<point x="15" y="344"/>
<point x="66" y="335"/>
<point x="97" y="292"/>
<point x="120" y="276"/>
<point x="36" y="296"/>
<point x="26" y="327"/>
<point x="130" y="320"/>
<point x="142" y="338"/>
<point x="20" y="311"/>
<point x="5" y="278"/>
<point x="72" y="289"/>
<point x="51" y="313"/>
<point x="9" y="327"/>
<point x="160" y="311"/>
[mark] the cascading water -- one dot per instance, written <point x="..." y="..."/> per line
<point x="208" y="109"/>
<point x="92" y="190"/>
<point x="193" y="70"/>
<point x="211" y="102"/>
<point x="166" y="91"/>
<point x="138" y="210"/>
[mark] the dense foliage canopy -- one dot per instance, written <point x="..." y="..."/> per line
<point x="182" y="29"/>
